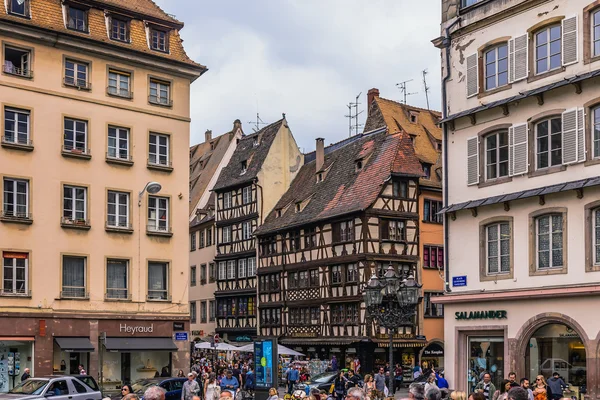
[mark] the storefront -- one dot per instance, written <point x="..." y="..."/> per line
<point x="432" y="355"/>
<point x="16" y="354"/>
<point x="70" y="353"/>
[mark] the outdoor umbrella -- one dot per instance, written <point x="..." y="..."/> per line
<point x="219" y="346"/>
<point x="249" y="348"/>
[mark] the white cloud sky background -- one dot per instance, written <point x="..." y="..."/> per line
<point x="305" y="58"/>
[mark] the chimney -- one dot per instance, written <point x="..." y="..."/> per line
<point x="208" y="135"/>
<point x="371" y="94"/>
<point x="237" y="124"/>
<point x="320" y="153"/>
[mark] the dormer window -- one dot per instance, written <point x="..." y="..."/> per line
<point x="159" y="40"/>
<point x="256" y="142"/>
<point x="278" y="213"/>
<point x="19" y="7"/>
<point x="244" y="167"/>
<point x="413" y="118"/>
<point x="77" y="19"/>
<point x="212" y="146"/>
<point x="119" y="29"/>
<point x="426" y="170"/>
<point x="320" y="177"/>
<point x="298" y="207"/>
<point x="358" y="164"/>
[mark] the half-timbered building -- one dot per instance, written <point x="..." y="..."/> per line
<point x="259" y="172"/>
<point x="351" y="211"/>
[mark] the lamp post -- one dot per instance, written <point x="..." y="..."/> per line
<point x="392" y="301"/>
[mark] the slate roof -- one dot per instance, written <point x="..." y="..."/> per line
<point x="344" y="190"/>
<point x="254" y="156"/>
<point x="48" y="15"/>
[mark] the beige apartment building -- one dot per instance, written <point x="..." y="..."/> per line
<point x="522" y="216"/>
<point x="95" y="99"/>
<point x="207" y="159"/>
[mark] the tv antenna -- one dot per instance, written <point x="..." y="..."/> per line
<point x="353" y="117"/>
<point x="426" y="87"/>
<point x="257" y="123"/>
<point x="403" y="90"/>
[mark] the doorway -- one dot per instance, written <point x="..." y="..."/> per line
<point x="74" y="363"/>
<point x="126" y="368"/>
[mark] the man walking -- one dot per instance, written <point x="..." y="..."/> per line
<point x="556" y="385"/>
<point x="486" y="386"/>
<point x="229" y="383"/>
<point x="26" y="374"/>
<point x="380" y="380"/>
<point x="190" y="388"/>
<point x="525" y="385"/>
<point x="293" y="376"/>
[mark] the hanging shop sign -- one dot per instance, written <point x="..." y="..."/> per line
<point x="178" y="326"/>
<point x="433" y="350"/>
<point x="492" y="314"/>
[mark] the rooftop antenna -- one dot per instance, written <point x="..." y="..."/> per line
<point x="354" y="116"/>
<point x="402" y="87"/>
<point x="257" y="123"/>
<point x="426" y="87"/>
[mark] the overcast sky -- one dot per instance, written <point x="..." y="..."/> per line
<point x="305" y="58"/>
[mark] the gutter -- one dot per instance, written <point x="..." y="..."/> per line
<point x="447" y="41"/>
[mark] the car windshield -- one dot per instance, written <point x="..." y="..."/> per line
<point x="323" y="378"/>
<point x="30" y="386"/>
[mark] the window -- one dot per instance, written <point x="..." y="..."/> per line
<point x="203" y="312"/>
<point x="158" y="150"/>
<point x="548" y="135"/>
<point x="247" y="230"/>
<point x="118" y="209"/>
<point x="548" y="49"/>
<point x="313" y="278"/>
<point x="242" y="268"/>
<point x="74" y="205"/>
<point x="336" y="274"/>
<point x="160" y="92"/>
<point x="351" y="273"/>
<point x="393" y="230"/>
<point x="426" y="170"/>
<point x="19" y="7"/>
<point x="222" y="270"/>
<point x="431" y="309"/>
<point x="212" y="272"/>
<point x="211" y="310"/>
<point x="119" y="29"/>
<point x="596" y="129"/>
<point x="269" y="246"/>
<point x="203" y="274"/>
<point x="293" y="280"/>
<point x="77" y="19"/>
<point x="413" y="118"/>
<point x="16" y="198"/>
<point x="116" y="279"/>
<point x="496" y="67"/>
<point x="76" y="74"/>
<point x="193" y="241"/>
<point x="119" y="84"/>
<point x="305" y="316"/>
<point x="75" y="136"/>
<point x="231" y="269"/>
<point x="430" y="211"/>
<point x="244" y="167"/>
<point x="342" y="314"/>
<point x="310" y="238"/>
<point x="294" y="239"/>
<point x="433" y="257"/>
<point x="15" y="272"/>
<point x="158" y="40"/>
<point x="158" y="214"/>
<point x="549" y="241"/>
<point x="118" y="143"/>
<point x="251" y="266"/>
<point x="343" y="231"/>
<point x="158" y="273"/>
<point x="496" y="155"/>
<point x="467" y="3"/>
<point x="193" y="312"/>
<point x="16" y="126"/>
<point x="298" y="207"/>
<point x="226" y="231"/>
<point x="74" y="277"/>
<point x="247" y="194"/>
<point x="193" y="275"/>
<point x="17" y="61"/>
<point x="227" y="200"/>
<point x="498" y="248"/>
<point x="358" y="165"/>
<point x="596" y="33"/>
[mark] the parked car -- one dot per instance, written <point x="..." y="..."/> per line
<point x="78" y="387"/>
<point x="172" y="386"/>
<point x="322" y="382"/>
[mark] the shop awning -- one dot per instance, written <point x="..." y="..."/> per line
<point x="74" y="344"/>
<point x="139" y="344"/>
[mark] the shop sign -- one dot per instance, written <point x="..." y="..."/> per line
<point x="458" y="281"/>
<point x="351" y="350"/>
<point x="133" y="329"/>
<point x="385" y="336"/>
<point x="197" y="333"/>
<point x="335" y="350"/>
<point x="181" y="336"/>
<point x="42" y="327"/>
<point x="433" y="350"/>
<point x="492" y="314"/>
<point x="304" y="334"/>
<point x="242" y="339"/>
<point x="178" y="326"/>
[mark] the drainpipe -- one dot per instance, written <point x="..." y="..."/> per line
<point x="447" y="43"/>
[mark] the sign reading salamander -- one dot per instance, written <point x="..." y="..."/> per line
<point x="500" y="314"/>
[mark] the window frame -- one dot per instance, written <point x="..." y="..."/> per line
<point x="76" y="81"/>
<point x="159" y="86"/>
<point x="247" y="230"/>
<point x="120" y="77"/>
<point x="483" y="250"/>
<point x="156" y="218"/>
<point x="126" y="289"/>
<point x="428" y="306"/>
<point x="247" y="195"/>
<point x="63" y="294"/>
<point x="387" y="226"/>
<point x="154" y="140"/>
<point x="337" y="270"/>
<point x="74" y="149"/>
<point x="548" y="138"/>
<point x="429" y="250"/>
<point x="193" y="275"/>
<point x="193" y="238"/>
<point x="117" y="143"/>
<point x="152" y="30"/>
<point x="594" y="121"/>
<point x="533" y="241"/>
<point x="427" y="205"/>
<point x="226" y="238"/>
<point x="18" y="71"/>
<point x="15" y="204"/>
<point x="497" y="150"/>
<point x="117" y="214"/>
<point x="497" y="227"/>
<point x="15" y="290"/>
<point x="496" y="63"/>
<point x="126" y="25"/>
<point x="85" y="19"/>
<point x="26" y="9"/>
<point x="193" y="312"/>
<point x="203" y="312"/>
<point x="73" y="219"/>
<point x="166" y="274"/>
<point x="547" y="29"/>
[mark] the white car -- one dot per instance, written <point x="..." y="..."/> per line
<point x="79" y="387"/>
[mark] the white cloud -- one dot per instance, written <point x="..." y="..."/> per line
<point x="305" y="58"/>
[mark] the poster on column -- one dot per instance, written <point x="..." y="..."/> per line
<point x="3" y="374"/>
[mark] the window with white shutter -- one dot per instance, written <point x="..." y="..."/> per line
<point x="519" y="150"/>
<point x="473" y="161"/>
<point x="569" y="40"/>
<point x="581" y="150"/>
<point x="518" y="58"/>
<point x="496" y="155"/>
<point x="548" y="49"/>
<point x="569" y="136"/>
<point x="595" y="123"/>
<point x="472" y="75"/>
<point x="548" y="143"/>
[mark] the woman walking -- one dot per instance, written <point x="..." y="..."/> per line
<point x="340" y="386"/>
<point x="212" y="390"/>
<point x="502" y="392"/>
<point x="541" y="388"/>
<point x="369" y="386"/>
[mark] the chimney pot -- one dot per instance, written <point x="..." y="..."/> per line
<point x="237" y="124"/>
<point x="371" y="94"/>
<point x="208" y="135"/>
<point x="320" y="153"/>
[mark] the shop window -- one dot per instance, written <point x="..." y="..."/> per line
<point x="557" y="348"/>
<point x="485" y="354"/>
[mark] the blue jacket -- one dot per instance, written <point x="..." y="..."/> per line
<point x="293" y="375"/>
<point x="249" y="380"/>
<point x="441" y="382"/>
<point x="229" y="382"/>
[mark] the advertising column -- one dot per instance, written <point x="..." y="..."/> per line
<point x="266" y="367"/>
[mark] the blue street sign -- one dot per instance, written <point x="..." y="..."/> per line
<point x="459" y="281"/>
<point x="181" y="336"/>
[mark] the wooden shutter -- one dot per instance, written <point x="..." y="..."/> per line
<point x="519" y="149"/>
<point x="518" y="60"/>
<point x="580" y="135"/>
<point x="385" y="229"/>
<point x="473" y="161"/>
<point x="569" y="136"/>
<point x="472" y="75"/>
<point x="569" y="40"/>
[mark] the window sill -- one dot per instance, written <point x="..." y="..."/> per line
<point x="118" y="229"/>
<point x="167" y="300"/>
<point x="72" y="225"/>
<point x="28" y="76"/>
<point x="19" y="15"/>
<point x="160" y="167"/>
<point x="589" y="60"/>
<point x="593" y="161"/>
<point x="86" y="31"/>
<point x="487" y="93"/>
<point x="86" y="88"/>
<point x="80" y="155"/>
<point x="168" y="104"/>
<point x="17" y="220"/>
<point x="534" y="78"/>
<point x="493" y="182"/>
<point x="17" y="146"/>
<point x="84" y="298"/>
<point x="118" y="299"/>
<point x="26" y="295"/>
<point x="549" y="271"/>
<point x="119" y="161"/>
<point x="497" y="277"/>
<point x="433" y="317"/>
<point x="128" y="96"/>
<point x="547" y="171"/>
<point x="159" y="233"/>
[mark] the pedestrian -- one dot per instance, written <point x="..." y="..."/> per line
<point x="249" y="381"/>
<point x="456" y="395"/>
<point x="131" y="396"/>
<point x="430" y="384"/>
<point x="339" y="386"/>
<point x="355" y="393"/>
<point x="334" y="363"/>
<point x="502" y="392"/>
<point x="512" y="377"/>
<point x="433" y="393"/>
<point x="477" y="396"/>
<point x="541" y="388"/>
<point x="398" y="377"/>
<point x="26" y="374"/>
<point x="154" y="392"/>
<point x="517" y="393"/>
<point x="273" y="394"/>
<point x="125" y="390"/>
<point x="442" y="383"/>
<point x="353" y="380"/>
<point x="417" y="372"/>
<point x="81" y="370"/>
<point x="380" y="380"/>
<point x="415" y="391"/>
<point x="369" y="386"/>
<point x="556" y="386"/>
<point x="180" y="374"/>
<point x="525" y="385"/>
<point x="212" y="390"/>
<point x="292" y="376"/>
<point x="229" y="383"/>
<point x="190" y="388"/>
<point x="486" y="386"/>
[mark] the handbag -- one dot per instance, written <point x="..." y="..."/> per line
<point x="216" y="393"/>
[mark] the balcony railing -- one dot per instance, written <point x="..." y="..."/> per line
<point x="158" y="295"/>
<point x="23" y="72"/>
<point x="75" y="222"/>
<point x="112" y="156"/>
<point x="117" y="294"/>
<point x="17" y="141"/>
<point x="15" y="292"/>
<point x="16" y="215"/>
<point x="161" y="101"/>
<point x="115" y="91"/>
<point x="78" y="83"/>
<point x="74" y="292"/>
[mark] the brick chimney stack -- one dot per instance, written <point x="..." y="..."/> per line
<point x="371" y="94"/>
<point x="208" y="135"/>
<point x="320" y="153"/>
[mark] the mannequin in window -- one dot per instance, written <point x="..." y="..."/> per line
<point x="63" y="365"/>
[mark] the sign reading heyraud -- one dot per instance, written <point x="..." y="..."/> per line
<point x="135" y="329"/>
<point x="492" y="314"/>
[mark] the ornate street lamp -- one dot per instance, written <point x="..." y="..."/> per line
<point x="392" y="302"/>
